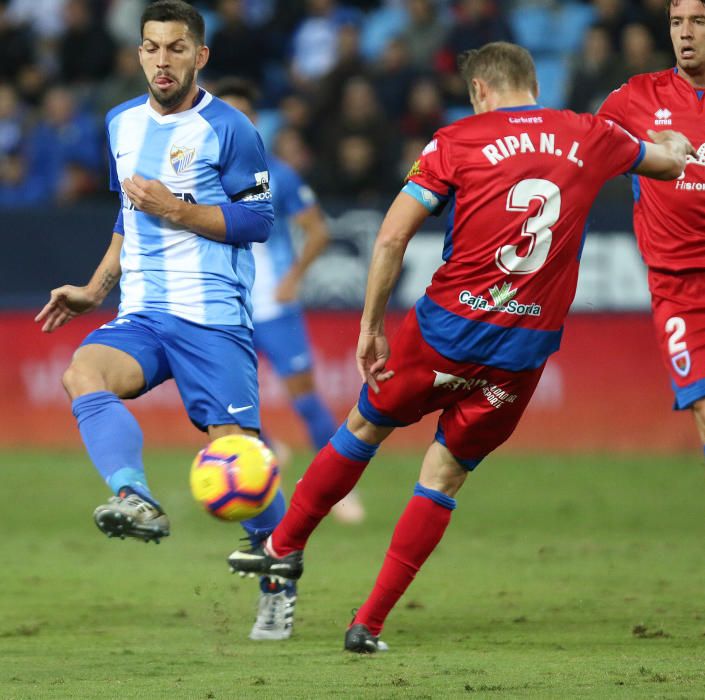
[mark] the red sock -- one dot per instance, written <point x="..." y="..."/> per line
<point x="329" y="478"/>
<point x="416" y="535"/>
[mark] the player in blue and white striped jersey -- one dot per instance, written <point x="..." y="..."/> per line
<point x="193" y="184"/>
<point x="280" y="328"/>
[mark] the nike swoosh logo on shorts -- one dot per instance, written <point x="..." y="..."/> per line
<point x="232" y="410"/>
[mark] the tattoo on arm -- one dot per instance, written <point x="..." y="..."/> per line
<point x="107" y="281"/>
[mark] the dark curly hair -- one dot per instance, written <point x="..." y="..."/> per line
<point x="175" y="11"/>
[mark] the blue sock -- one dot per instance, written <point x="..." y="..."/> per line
<point x="261" y="526"/>
<point x="350" y="447"/>
<point x="319" y="421"/>
<point x="436" y="496"/>
<point x="113" y="439"/>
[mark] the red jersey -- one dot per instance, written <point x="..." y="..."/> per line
<point x="669" y="217"/>
<point x="520" y="183"/>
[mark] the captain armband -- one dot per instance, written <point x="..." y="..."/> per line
<point x="430" y="200"/>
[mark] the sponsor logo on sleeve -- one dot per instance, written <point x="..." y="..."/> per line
<point x="262" y="182"/>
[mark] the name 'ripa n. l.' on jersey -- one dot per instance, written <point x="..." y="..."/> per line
<point x="518" y="184"/>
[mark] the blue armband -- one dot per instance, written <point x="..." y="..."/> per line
<point x="432" y="201"/>
<point x="244" y="224"/>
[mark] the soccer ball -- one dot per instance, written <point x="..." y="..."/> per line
<point x="235" y="477"/>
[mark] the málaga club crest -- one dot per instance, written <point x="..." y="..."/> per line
<point x="181" y="157"/>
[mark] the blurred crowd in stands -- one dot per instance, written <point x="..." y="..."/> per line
<point x="351" y="89"/>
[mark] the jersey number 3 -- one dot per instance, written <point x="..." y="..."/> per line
<point x="537" y="228"/>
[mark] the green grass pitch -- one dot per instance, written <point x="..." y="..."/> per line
<point x="559" y="577"/>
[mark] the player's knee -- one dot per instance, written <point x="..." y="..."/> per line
<point x="79" y="379"/>
<point x="441" y="471"/>
<point x="445" y="482"/>
<point x="363" y="430"/>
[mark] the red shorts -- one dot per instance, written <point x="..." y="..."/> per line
<point x="480" y="405"/>
<point x="678" y="306"/>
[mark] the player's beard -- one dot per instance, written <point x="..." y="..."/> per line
<point x="175" y="98"/>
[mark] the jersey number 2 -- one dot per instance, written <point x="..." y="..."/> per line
<point x="537" y="228"/>
<point x="675" y="327"/>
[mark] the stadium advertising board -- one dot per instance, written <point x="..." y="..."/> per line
<point x="605" y="390"/>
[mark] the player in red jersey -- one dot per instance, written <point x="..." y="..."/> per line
<point x="518" y="181"/>
<point x="669" y="217"/>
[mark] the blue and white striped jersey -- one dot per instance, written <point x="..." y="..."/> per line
<point x="208" y="154"/>
<point x="274" y="258"/>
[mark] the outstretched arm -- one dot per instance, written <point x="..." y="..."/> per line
<point x="402" y="221"/>
<point x="67" y="302"/>
<point x="665" y="158"/>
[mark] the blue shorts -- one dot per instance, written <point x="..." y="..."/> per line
<point x="215" y="367"/>
<point x="284" y="342"/>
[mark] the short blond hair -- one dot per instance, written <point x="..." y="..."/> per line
<point x="503" y="66"/>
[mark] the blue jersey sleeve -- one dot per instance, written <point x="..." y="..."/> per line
<point x="243" y="165"/>
<point x="244" y="174"/>
<point x="293" y="194"/>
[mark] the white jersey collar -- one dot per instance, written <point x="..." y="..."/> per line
<point x="179" y="116"/>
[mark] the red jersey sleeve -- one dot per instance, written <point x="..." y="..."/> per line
<point x="433" y="170"/>
<point x="616" y="149"/>
<point x="616" y="105"/>
<point x="430" y="180"/>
